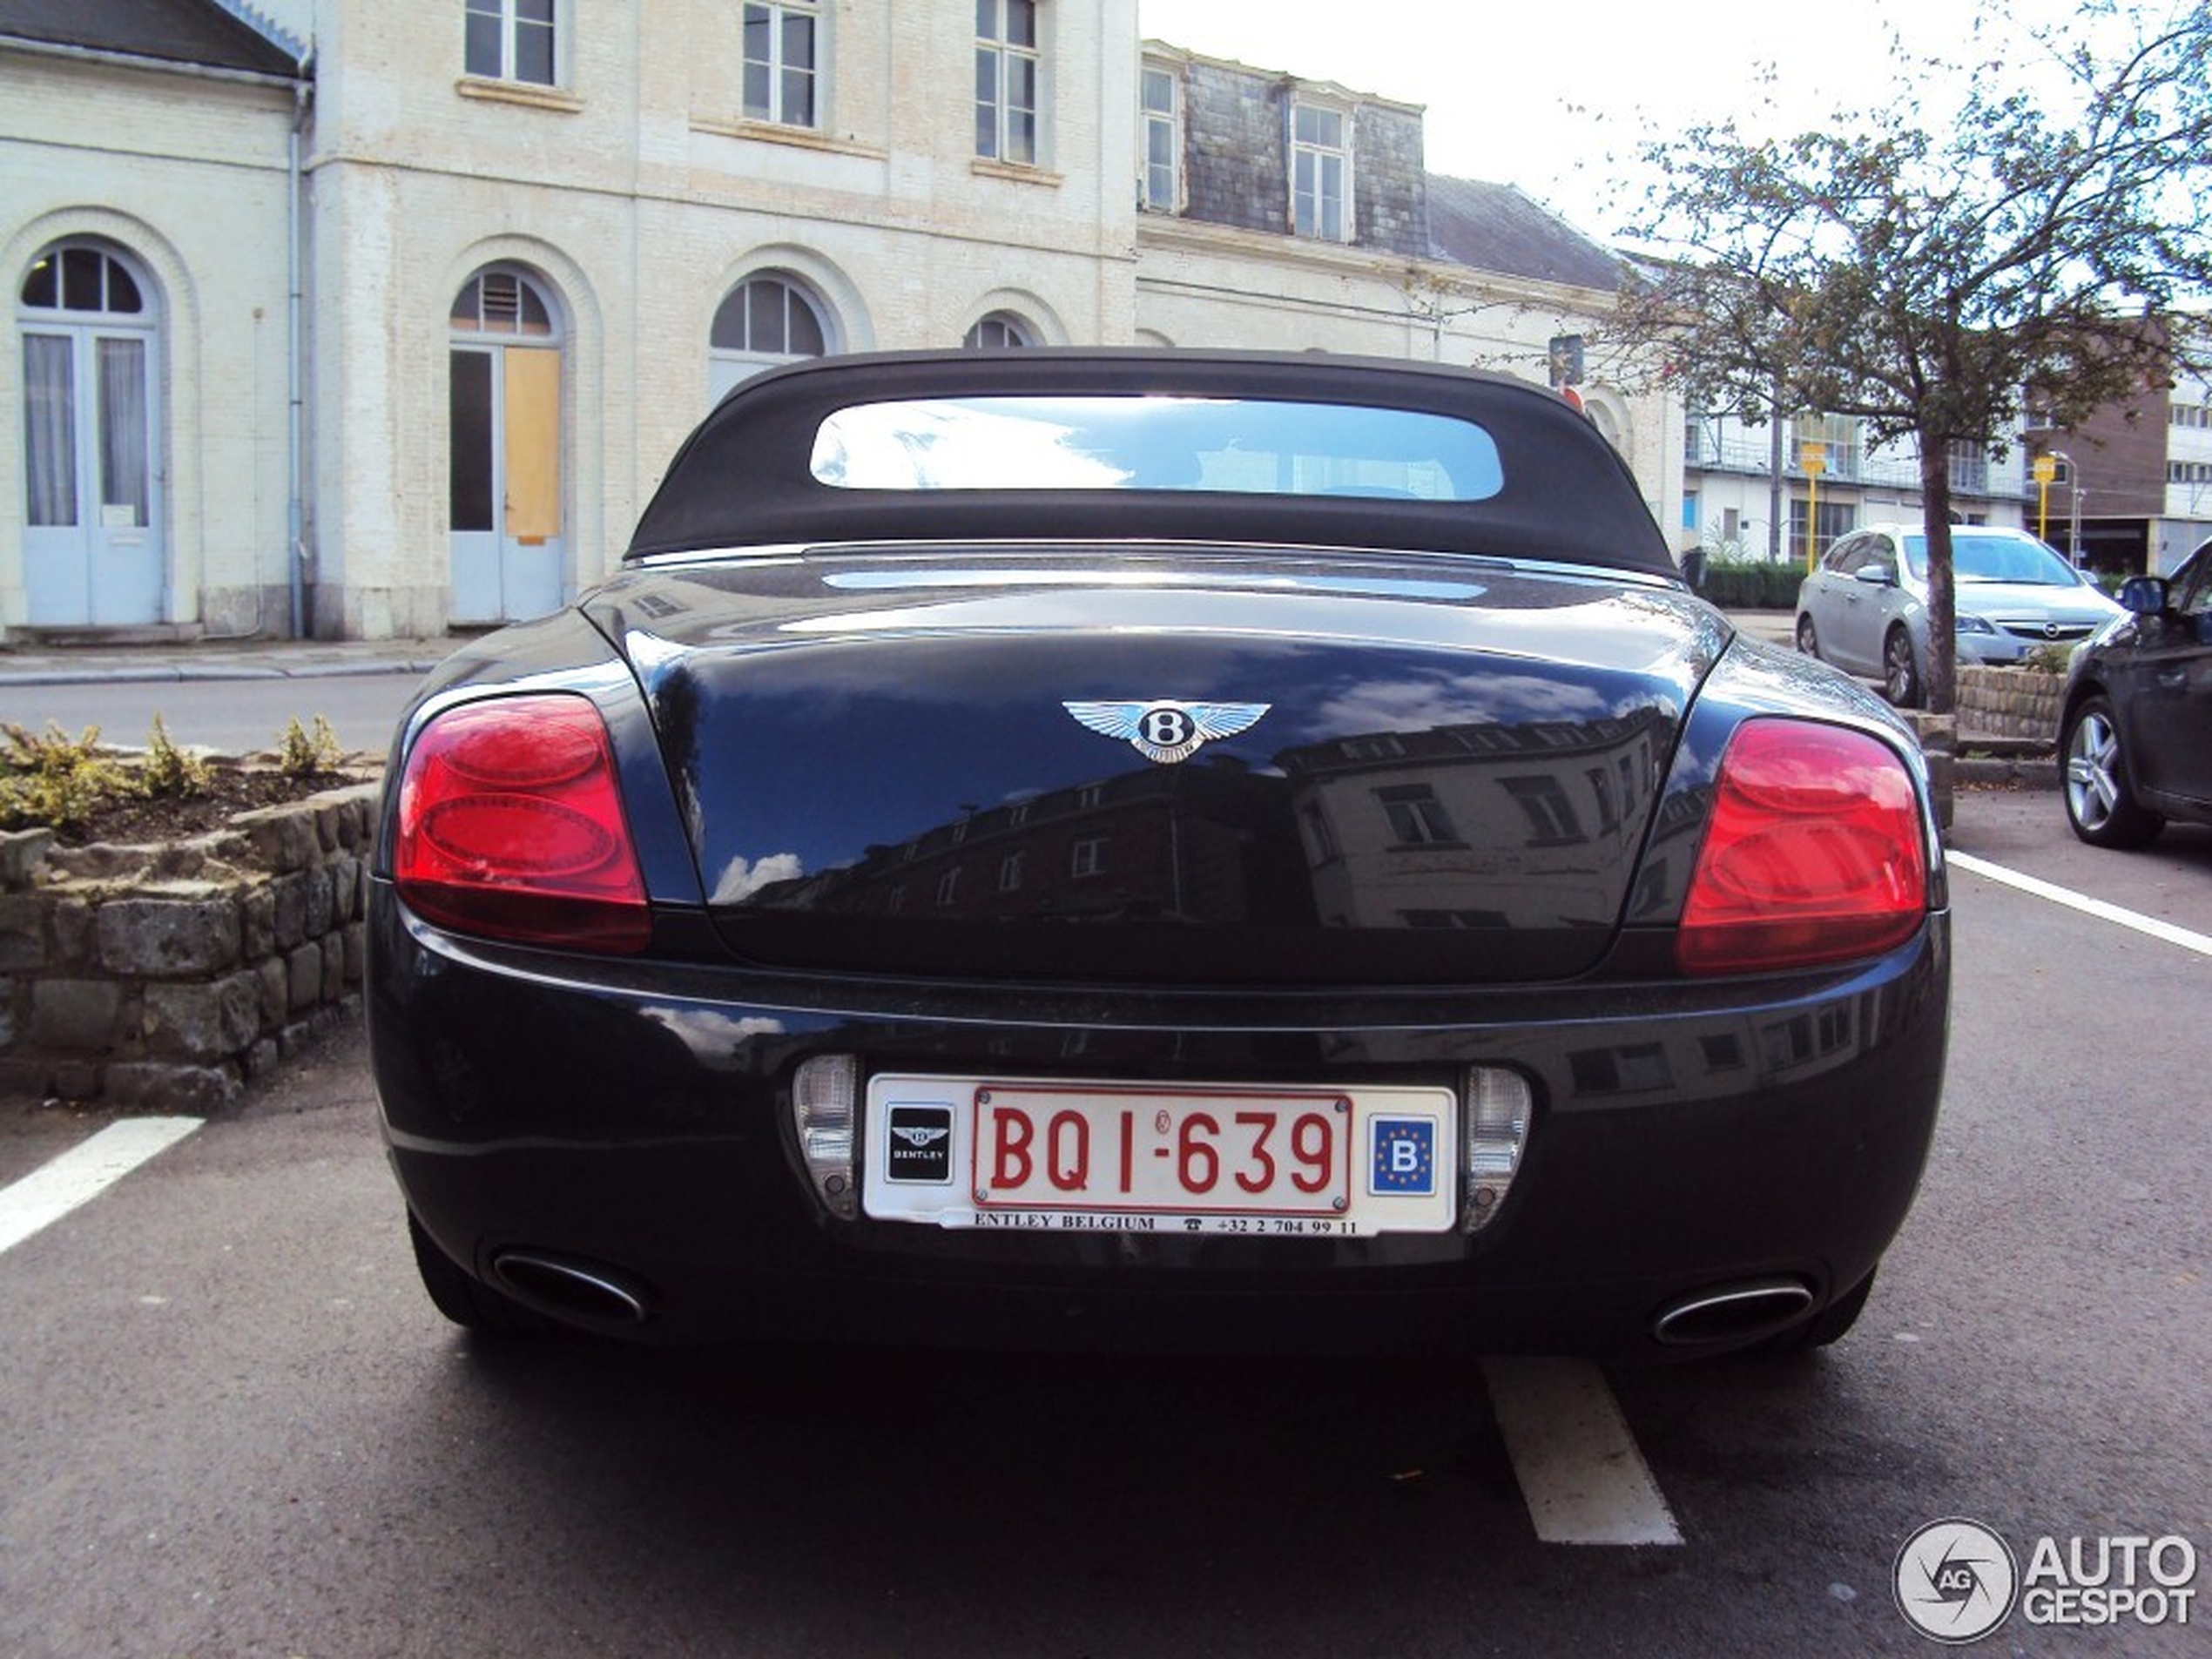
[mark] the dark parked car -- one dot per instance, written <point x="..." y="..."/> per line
<point x="1151" y="847"/>
<point x="2136" y="732"/>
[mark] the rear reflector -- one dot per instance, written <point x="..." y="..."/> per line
<point x="1816" y="852"/>
<point x="1499" y="1104"/>
<point x="511" y="824"/>
<point x="825" y="1097"/>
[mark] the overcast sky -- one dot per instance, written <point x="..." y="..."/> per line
<point x="1553" y="97"/>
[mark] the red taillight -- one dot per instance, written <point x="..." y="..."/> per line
<point x="511" y="824"/>
<point x="1816" y="852"/>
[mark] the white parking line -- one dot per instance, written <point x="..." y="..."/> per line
<point x="1580" y="1472"/>
<point x="82" y="1173"/>
<point x="2143" y="924"/>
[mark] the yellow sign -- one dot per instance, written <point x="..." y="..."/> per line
<point x="1813" y="458"/>
<point x="2044" y="469"/>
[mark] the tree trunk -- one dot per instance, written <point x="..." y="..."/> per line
<point x="1942" y="603"/>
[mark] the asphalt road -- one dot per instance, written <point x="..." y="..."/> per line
<point x="228" y="716"/>
<point x="230" y="1424"/>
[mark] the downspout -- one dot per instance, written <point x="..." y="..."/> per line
<point x="295" y="350"/>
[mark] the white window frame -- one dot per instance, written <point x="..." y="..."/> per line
<point x="727" y="363"/>
<point x="1312" y="223"/>
<point x="994" y="46"/>
<point x="1149" y="120"/>
<point x="507" y="15"/>
<point x="1000" y="331"/>
<point x="777" y="13"/>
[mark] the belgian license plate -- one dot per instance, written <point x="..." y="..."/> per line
<point x="975" y="1152"/>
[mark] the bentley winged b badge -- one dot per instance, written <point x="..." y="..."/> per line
<point x="1167" y="732"/>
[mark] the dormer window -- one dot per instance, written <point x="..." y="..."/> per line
<point x="1320" y="173"/>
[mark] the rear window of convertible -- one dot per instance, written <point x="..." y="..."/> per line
<point x="1240" y="446"/>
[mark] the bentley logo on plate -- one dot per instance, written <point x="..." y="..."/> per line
<point x="1167" y="732"/>
<point x="921" y="1147"/>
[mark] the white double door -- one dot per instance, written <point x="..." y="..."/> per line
<point x="93" y="549"/>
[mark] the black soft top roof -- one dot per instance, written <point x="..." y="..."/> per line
<point x="745" y="476"/>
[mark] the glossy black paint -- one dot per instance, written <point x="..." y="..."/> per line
<point x="634" y="1113"/>
<point x="641" y="1120"/>
<point x="1460" y="835"/>
<point x="1452" y="781"/>
<point x="2155" y="670"/>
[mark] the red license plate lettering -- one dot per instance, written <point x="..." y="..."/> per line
<point x="1137" y="1151"/>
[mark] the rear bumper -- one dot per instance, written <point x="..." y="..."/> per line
<point x="1684" y="1138"/>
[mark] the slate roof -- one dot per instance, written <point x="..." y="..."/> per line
<point x="198" y="32"/>
<point x="1494" y="227"/>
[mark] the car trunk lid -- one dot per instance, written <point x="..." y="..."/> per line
<point x="1179" y="765"/>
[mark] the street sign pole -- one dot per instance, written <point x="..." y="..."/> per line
<point x="1813" y="458"/>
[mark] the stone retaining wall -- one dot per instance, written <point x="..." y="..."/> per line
<point x="2017" y="704"/>
<point x="164" y="977"/>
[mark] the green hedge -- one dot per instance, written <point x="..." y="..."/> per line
<point x="1752" y="585"/>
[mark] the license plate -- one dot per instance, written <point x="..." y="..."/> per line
<point x="1034" y="1155"/>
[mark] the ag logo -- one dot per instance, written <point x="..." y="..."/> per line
<point x="1956" y="1581"/>
<point x="1167" y="732"/>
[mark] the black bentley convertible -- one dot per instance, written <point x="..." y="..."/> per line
<point x="1152" y="847"/>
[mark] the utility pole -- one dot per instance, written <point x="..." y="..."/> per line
<point x="1777" y="520"/>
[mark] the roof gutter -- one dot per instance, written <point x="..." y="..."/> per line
<point x="140" y="61"/>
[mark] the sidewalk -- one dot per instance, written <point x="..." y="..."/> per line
<point x="235" y="659"/>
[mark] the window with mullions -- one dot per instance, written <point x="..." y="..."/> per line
<point x="782" y="61"/>
<point x="1007" y="77"/>
<point x="1321" y="170"/>
<point x="765" y="320"/>
<point x="82" y="279"/>
<point x="1000" y="331"/>
<point x="1417" y="818"/>
<point x="1161" y="133"/>
<point x="510" y="40"/>
<point x="501" y="302"/>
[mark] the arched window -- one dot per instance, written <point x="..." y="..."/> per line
<point x="502" y="302"/>
<point x="88" y="332"/>
<point x="82" y="279"/>
<point x="1000" y="331"/>
<point x="766" y="320"/>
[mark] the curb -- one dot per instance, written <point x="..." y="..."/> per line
<point x="175" y="673"/>
<point x="2009" y="772"/>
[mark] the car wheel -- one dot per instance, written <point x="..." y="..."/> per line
<point x="2100" y="800"/>
<point x="1900" y="674"/>
<point x="1808" y="641"/>
<point x="470" y="1303"/>
<point x="1828" y="1326"/>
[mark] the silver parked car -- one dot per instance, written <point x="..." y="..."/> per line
<point x="1865" y="608"/>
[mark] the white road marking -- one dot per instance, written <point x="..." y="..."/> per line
<point x="2147" y="925"/>
<point x="83" y="1172"/>
<point x="1580" y="1472"/>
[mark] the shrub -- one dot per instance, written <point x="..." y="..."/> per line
<point x="168" y="772"/>
<point x="309" y="753"/>
<point x="1752" y="585"/>
<point x="56" y="781"/>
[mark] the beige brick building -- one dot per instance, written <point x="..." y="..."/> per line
<point x="426" y="295"/>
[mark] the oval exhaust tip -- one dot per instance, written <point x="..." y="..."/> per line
<point x="1734" y="1313"/>
<point x="572" y="1290"/>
